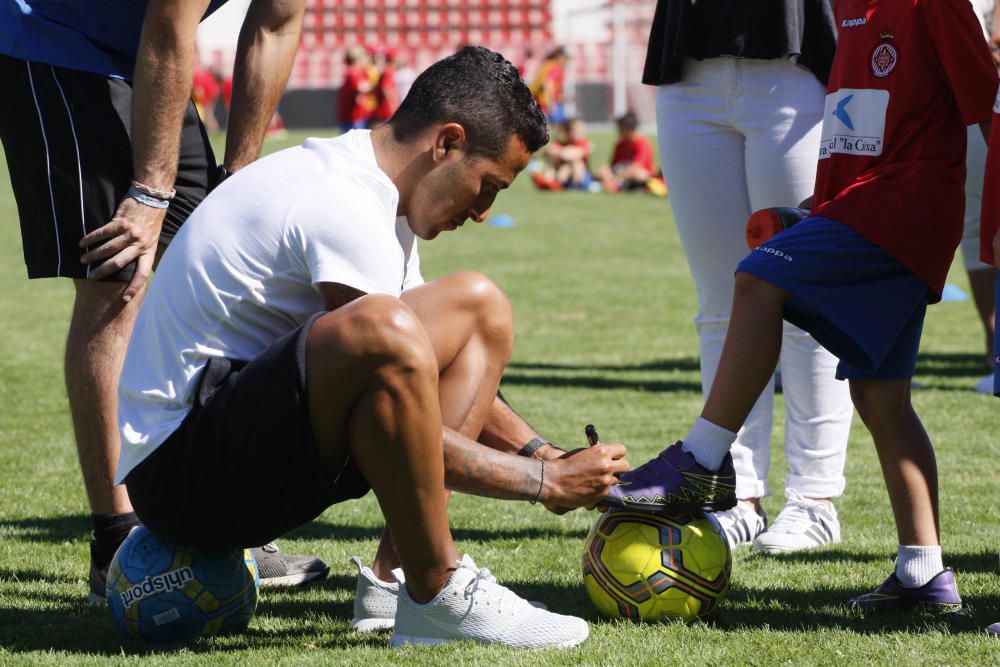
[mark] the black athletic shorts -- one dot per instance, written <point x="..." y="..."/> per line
<point x="66" y="135"/>
<point x="242" y="469"/>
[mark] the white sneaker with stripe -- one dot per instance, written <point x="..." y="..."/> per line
<point x="803" y="524"/>
<point x="741" y="524"/>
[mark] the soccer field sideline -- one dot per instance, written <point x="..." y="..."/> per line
<point x="604" y="307"/>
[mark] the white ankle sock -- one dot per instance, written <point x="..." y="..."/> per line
<point x="917" y="565"/>
<point x="708" y="443"/>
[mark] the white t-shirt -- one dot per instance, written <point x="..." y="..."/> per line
<point x="984" y="12"/>
<point x="243" y="271"/>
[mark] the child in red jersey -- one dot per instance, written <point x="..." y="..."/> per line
<point x="908" y="77"/>
<point x="631" y="165"/>
<point x="567" y="158"/>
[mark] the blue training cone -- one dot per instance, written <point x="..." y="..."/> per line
<point x="953" y="293"/>
<point x="501" y="221"/>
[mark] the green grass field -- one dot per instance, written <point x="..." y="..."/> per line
<point x="604" y="306"/>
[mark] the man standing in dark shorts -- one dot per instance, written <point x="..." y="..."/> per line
<point x="97" y="126"/>
<point x="303" y="355"/>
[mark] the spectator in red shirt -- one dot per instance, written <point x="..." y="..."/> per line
<point x="386" y="92"/>
<point x="352" y="110"/>
<point x="205" y="92"/>
<point x="567" y="159"/>
<point x="549" y="84"/>
<point x="631" y="164"/>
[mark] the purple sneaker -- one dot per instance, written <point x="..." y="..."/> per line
<point x="939" y="595"/>
<point x="674" y="483"/>
<point x="993" y="630"/>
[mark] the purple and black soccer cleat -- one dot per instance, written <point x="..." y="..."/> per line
<point x="993" y="630"/>
<point x="939" y="596"/>
<point x="674" y="483"/>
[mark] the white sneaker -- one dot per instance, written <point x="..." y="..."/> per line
<point x="474" y="607"/>
<point x="802" y="524"/>
<point x="740" y="524"/>
<point x="985" y="385"/>
<point x="374" y="599"/>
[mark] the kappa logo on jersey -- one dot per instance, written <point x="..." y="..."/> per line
<point x="854" y="122"/>
<point x="885" y="56"/>
<point x="854" y="23"/>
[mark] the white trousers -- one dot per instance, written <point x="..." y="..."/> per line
<point x="975" y="172"/>
<point x="736" y="136"/>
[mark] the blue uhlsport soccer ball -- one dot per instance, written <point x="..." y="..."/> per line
<point x="159" y="591"/>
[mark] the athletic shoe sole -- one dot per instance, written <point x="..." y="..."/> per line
<point x="295" y="579"/>
<point x="400" y="641"/>
<point x="373" y="624"/>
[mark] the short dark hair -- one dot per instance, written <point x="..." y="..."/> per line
<point x="480" y="90"/>
<point x="629" y="121"/>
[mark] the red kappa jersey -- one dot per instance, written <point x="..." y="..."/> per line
<point x="991" y="191"/>
<point x="908" y="77"/>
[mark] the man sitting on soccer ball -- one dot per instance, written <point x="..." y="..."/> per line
<point x="289" y="357"/>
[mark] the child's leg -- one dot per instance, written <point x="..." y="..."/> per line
<point x="749" y="356"/>
<point x="906" y="456"/>
<point x="750" y="353"/>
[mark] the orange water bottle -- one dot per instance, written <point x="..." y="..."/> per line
<point x="765" y="223"/>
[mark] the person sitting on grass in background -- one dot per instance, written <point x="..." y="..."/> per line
<point x="631" y="166"/>
<point x="567" y="159"/>
<point x="289" y="345"/>
<point x="857" y="274"/>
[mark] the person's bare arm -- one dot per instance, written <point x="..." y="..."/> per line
<point x="507" y="431"/>
<point x="577" y="479"/>
<point x="492" y="469"/>
<point x="264" y="55"/>
<point x="164" y="72"/>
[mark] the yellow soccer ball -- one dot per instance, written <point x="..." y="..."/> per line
<point x="645" y="567"/>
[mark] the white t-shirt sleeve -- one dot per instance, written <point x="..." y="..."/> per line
<point x="408" y="241"/>
<point x="341" y="232"/>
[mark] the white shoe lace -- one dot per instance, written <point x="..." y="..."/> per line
<point x="798" y="514"/>
<point x="484" y="589"/>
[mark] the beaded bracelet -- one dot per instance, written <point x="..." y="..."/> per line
<point x="158" y="194"/>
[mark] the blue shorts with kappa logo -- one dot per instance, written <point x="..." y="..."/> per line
<point x="855" y="299"/>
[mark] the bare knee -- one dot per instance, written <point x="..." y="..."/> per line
<point x="494" y="316"/>
<point x="98" y="307"/>
<point x="881" y="403"/>
<point x="375" y="334"/>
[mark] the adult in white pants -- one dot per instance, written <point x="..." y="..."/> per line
<point x="981" y="275"/>
<point x="737" y="135"/>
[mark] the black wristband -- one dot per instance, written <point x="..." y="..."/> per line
<point x="533" y="446"/>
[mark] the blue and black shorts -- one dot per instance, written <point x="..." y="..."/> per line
<point x="243" y="467"/>
<point x="855" y="299"/>
<point x="67" y="139"/>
